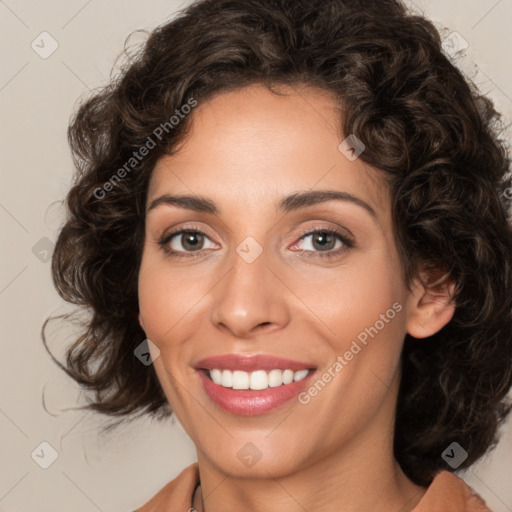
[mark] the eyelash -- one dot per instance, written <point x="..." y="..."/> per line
<point x="347" y="242"/>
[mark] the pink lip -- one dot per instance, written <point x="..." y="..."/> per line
<point x="251" y="363"/>
<point x="251" y="402"/>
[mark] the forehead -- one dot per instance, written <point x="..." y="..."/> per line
<point x="250" y="146"/>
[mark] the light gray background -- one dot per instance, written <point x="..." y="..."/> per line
<point x="37" y="97"/>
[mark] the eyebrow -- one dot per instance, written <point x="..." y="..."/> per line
<point x="286" y="204"/>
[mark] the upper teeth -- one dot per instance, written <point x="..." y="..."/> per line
<point x="256" y="380"/>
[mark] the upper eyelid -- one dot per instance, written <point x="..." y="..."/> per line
<point x="180" y="230"/>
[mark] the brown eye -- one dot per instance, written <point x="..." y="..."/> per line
<point x="184" y="241"/>
<point x="191" y="240"/>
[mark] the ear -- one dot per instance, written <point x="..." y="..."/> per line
<point x="141" y="322"/>
<point x="430" y="305"/>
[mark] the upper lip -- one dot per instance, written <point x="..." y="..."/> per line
<point x="251" y="363"/>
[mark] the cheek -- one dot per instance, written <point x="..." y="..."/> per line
<point x="364" y="314"/>
<point x="351" y="301"/>
<point x="165" y="298"/>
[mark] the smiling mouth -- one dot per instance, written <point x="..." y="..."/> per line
<point x="257" y="380"/>
<point x="252" y="384"/>
<point x="241" y="397"/>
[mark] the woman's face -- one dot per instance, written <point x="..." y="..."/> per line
<point x="257" y="281"/>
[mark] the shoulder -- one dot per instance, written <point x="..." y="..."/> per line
<point x="449" y="493"/>
<point x="175" y="495"/>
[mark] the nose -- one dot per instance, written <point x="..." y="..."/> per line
<point x="250" y="299"/>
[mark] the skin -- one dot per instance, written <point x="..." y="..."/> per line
<point x="246" y="150"/>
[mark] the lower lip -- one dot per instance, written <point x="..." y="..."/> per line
<point x="252" y="402"/>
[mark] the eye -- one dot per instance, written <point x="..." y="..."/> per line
<point x="183" y="241"/>
<point x="324" y="243"/>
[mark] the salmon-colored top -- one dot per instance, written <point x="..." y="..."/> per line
<point x="447" y="493"/>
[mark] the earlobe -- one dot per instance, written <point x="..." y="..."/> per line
<point x="141" y="323"/>
<point x="430" y="307"/>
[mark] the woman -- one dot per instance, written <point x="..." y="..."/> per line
<point x="297" y="212"/>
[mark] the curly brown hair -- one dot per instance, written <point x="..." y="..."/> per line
<point x="424" y="125"/>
